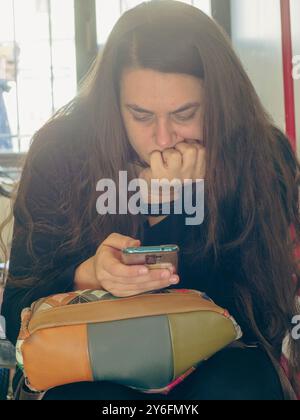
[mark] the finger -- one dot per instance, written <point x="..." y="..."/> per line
<point x="119" y="289"/>
<point x="118" y="241"/>
<point x="173" y="158"/>
<point x="156" y="275"/>
<point x="157" y="163"/>
<point x="111" y="263"/>
<point x="158" y="284"/>
<point x="190" y="142"/>
<point x="200" y="168"/>
<point x="200" y="163"/>
<point x="189" y="155"/>
<point x="181" y="147"/>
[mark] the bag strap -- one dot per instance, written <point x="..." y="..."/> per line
<point x="22" y="393"/>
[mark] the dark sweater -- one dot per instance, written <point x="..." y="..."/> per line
<point x="216" y="279"/>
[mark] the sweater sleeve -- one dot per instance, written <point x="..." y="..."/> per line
<point x="42" y="198"/>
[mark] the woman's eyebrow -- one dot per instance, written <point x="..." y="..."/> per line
<point x="185" y="107"/>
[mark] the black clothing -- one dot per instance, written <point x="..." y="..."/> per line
<point x="232" y="374"/>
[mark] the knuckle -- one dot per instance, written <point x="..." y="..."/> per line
<point x="111" y="236"/>
<point x="156" y="277"/>
<point x="100" y="249"/>
<point x="191" y="150"/>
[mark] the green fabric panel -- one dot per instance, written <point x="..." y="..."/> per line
<point x="196" y="336"/>
<point x="134" y="352"/>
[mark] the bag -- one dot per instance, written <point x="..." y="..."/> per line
<point x="149" y="342"/>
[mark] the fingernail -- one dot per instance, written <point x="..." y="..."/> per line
<point x="174" y="279"/>
<point x="134" y="243"/>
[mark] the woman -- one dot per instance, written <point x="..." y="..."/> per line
<point x="168" y="98"/>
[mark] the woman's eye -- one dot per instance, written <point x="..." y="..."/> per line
<point x="146" y="118"/>
<point x="178" y="117"/>
<point x="185" y="117"/>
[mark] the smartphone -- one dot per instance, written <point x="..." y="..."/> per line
<point x="153" y="257"/>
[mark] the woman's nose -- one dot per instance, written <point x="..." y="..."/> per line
<point x="164" y="135"/>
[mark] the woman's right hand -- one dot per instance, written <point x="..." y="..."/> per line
<point x="121" y="280"/>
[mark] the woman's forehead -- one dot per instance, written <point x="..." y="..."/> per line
<point x="143" y="87"/>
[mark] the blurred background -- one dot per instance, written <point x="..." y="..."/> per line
<point x="47" y="46"/>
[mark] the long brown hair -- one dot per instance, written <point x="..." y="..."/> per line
<point x="251" y="169"/>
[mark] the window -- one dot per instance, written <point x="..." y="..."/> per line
<point x="37" y="37"/>
<point x="109" y="12"/>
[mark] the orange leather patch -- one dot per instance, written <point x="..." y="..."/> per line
<point x="70" y="364"/>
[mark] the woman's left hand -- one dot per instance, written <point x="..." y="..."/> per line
<point x="186" y="161"/>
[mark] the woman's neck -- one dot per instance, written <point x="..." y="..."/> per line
<point x="155" y="220"/>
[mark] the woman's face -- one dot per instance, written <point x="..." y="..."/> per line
<point x="161" y="109"/>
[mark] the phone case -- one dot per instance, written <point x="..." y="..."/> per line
<point x="158" y="257"/>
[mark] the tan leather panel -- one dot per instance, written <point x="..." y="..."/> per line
<point x="125" y="308"/>
<point x="71" y="362"/>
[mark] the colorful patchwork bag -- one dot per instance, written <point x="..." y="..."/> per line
<point x="149" y="342"/>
